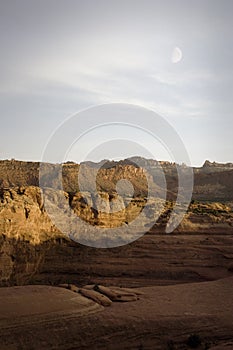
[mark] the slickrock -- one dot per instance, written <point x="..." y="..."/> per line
<point x="95" y="296"/>
<point x="73" y="288"/>
<point x="89" y="286"/>
<point x="114" y="294"/>
<point x="28" y="302"/>
<point x="126" y="291"/>
<point x="127" y="298"/>
<point x="103" y="295"/>
<point x="106" y="291"/>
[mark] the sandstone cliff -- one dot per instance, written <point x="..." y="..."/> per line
<point x="27" y="233"/>
<point x="30" y="241"/>
<point x="212" y="182"/>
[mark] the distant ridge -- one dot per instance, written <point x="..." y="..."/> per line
<point x="212" y="182"/>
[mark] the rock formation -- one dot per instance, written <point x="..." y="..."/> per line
<point x="30" y="241"/>
<point x="104" y="295"/>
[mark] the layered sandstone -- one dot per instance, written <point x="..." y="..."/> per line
<point x="212" y="182"/>
<point x="32" y="245"/>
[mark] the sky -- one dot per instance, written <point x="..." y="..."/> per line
<point x="60" y="57"/>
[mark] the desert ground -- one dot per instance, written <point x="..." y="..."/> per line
<point x="186" y="283"/>
<point x="195" y="315"/>
<point x="172" y="291"/>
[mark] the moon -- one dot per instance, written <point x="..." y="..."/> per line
<point x="176" y="55"/>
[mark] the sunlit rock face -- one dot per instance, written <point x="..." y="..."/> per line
<point x="24" y="226"/>
<point x="22" y="215"/>
<point x="30" y="242"/>
<point x="212" y="181"/>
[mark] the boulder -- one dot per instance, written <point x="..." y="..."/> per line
<point x="89" y="286"/>
<point x="73" y="288"/>
<point x="95" y="296"/>
<point x="106" y="291"/>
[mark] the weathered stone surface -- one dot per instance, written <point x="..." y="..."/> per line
<point x="127" y="298"/>
<point x="126" y="291"/>
<point x="6" y="261"/>
<point x="73" y="288"/>
<point x="106" y="291"/>
<point x="212" y="181"/>
<point x="89" y="286"/>
<point x="99" y="292"/>
<point x="23" y="217"/>
<point x="27" y="232"/>
<point x="95" y="296"/>
<point x="19" y="260"/>
<point x="118" y="295"/>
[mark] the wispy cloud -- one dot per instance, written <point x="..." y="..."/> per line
<point x="55" y="61"/>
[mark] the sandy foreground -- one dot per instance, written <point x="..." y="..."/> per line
<point x="43" y="317"/>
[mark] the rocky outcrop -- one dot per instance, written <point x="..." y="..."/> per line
<point x="20" y="260"/>
<point x="26" y="233"/>
<point x="214" y="166"/>
<point x="22" y="216"/>
<point x="104" y="295"/>
<point x="33" y="248"/>
<point x="95" y="296"/>
<point x="18" y="173"/>
<point x="212" y="181"/>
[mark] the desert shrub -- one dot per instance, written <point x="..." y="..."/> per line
<point x="230" y="267"/>
<point x="194" y="341"/>
<point x="170" y="345"/>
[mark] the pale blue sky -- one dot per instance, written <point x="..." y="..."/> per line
<point x="58" y="57"/>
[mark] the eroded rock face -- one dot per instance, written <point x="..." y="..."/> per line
<point x="19" y="260"/>
<point x="212" y="181"/>
<point x="27" y="232"/>
<point x="24" y="228"/>
<point x="22" y="215"/>
<point x="106" y="210"/>
<point x="29" y="239"/>
<point x="6" y="261"/>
